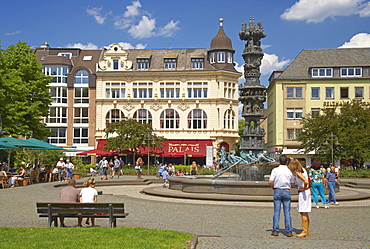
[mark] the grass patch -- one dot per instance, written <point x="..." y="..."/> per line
<point x="94" y="237"/>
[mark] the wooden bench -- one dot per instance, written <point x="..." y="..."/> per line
<point x="52" y="211"/>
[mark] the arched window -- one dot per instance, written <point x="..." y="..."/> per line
<point x="143" y="116"/>
<point x="81" y="77"/>
<point x="197" y="119"/>
<point x="229" y="119"/>
<point x="170" y="119"/>
<point x="114" y="115"/>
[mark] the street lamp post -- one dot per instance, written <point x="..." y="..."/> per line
<point x="148" y="138"/>
<point x="332" y="137"/>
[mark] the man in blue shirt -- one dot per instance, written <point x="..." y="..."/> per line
<point x="165" y="177"/>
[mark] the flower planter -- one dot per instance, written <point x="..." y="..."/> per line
<point x="76" y="175"/>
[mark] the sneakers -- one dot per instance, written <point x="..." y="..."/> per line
<point x="326" y="207"/>
<point x="336" y="203"/>
<point x="317" y="207"/>
<point x="289" y="235"/>
<point x="275" y="234"/>
<point x="62" y="225"/>
<point x="164" y="186"/>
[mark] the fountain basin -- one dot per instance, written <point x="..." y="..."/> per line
<point x="228" y="187"/>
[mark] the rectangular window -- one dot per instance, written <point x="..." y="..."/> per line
<point x="294" y="92"/>
<point x="81" y="95"/>
<point x="57" y="115"/>
<point x="322" y="72"/>
<point x="197" y="63"/>
<point x="292" y="134"/>
<point x="329" y="92"/>
<point x="230" y="58"/>
<point x="81" y="115"/>
<point x="359" y="92"/>
<point x="59" y="73"/>
<point x="59" y="94"/>
<point x="351" y="72"/>
<point x="170" y="64"/>
<point x="115" y="90"/>
<point x="221" y="57"/>
<point x="344" y="93"/>
<point x="59" y="136"/>
<point x="80" y="135"/>
<point x="142" y="64"/>
<point x="294" y="113"/>
<point x="170" y="90"/>
<point x="229" y="90"/>
<point x="143" y="90"/>
<point x="197" y="89"/>
<point x="315" y="93"/>
<point x="315" y="112"/>
<point x="115" y="64"/>
<point x="212" y="58"/>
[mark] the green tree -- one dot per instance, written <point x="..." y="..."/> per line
<point x="241" y="125"/>
<point x="130" y="134"/>
<point x="24" y="92"/>
<point x="351" y="126"/>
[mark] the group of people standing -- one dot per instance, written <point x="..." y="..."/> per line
<point x="65" y="170"/>
<point x="289" y="173"/>
<point x="115" y="165"/>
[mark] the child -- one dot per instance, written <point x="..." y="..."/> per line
<point x="165" y="177"/>
<point x="331" y="176"/>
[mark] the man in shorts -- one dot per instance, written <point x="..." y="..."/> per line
<point x="116" y="166"/>
<point x="70" y="195"/>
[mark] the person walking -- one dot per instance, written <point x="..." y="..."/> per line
<point x="70" y="194"/>
<point x="69" y="170"/>
<point x="319" y="183"/>
<point x="104" y="165"/>
<point x="60" y="167"/>
<point x="165" y="177"/>
<point x="116" y="166"/>
<point x="121" y="164"/>
<point x="281" y="180"/>
<point x="138" y="167"/>
<point x="331" y="177"/>
<point x="304" y="194"/>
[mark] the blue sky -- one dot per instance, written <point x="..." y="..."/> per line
<point x="290" y="25"/>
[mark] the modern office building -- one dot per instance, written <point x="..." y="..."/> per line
<point x="72" y="111"/>
<point x="316" y="79"/>
<point x="190" y="96"/>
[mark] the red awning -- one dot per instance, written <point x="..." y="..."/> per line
<point x="170" y="148"/>
<point x="181" y="148"/>
<point x="96" y="152"/>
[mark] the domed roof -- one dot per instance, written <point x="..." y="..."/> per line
<point x="221" y="40"/>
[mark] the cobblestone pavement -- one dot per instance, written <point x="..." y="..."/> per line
<point x="217" y="224"/>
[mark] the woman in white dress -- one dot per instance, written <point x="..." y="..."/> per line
<point x="304" y="194"/>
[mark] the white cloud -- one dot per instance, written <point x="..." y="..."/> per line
<point x="82" y="46"/>
<point x="270" y="63"/>
<point x="365" y="10"/>
<point x="144" y="29"/>
<point x="132" y="10"/>
<point x="359" y="40"/>
<point x="126" y="45"/>
<point x="139" y="24"/>
<point x="318" y="10"/>
<point x="13" y="33"/>
<point x="95" y="12"/>
<point x="169" y="30"/>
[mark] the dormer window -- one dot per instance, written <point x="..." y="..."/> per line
<point x="212" y="58"/>
<point x="142" y="64"/>
<point x="197" y="63"/>
<point x="65" y="54"/>
<point x="322" y="72"/>
<point x="230" y="58"/>
<point x="221" y="57"/>
<point x="170" y="63"/>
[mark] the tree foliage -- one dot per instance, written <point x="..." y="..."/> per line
<point x="130" y="134"/>
<point x="24" y="92"/>
<point x="350" y="124"/>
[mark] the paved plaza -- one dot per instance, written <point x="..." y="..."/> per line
<point x="217" y="224"/>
